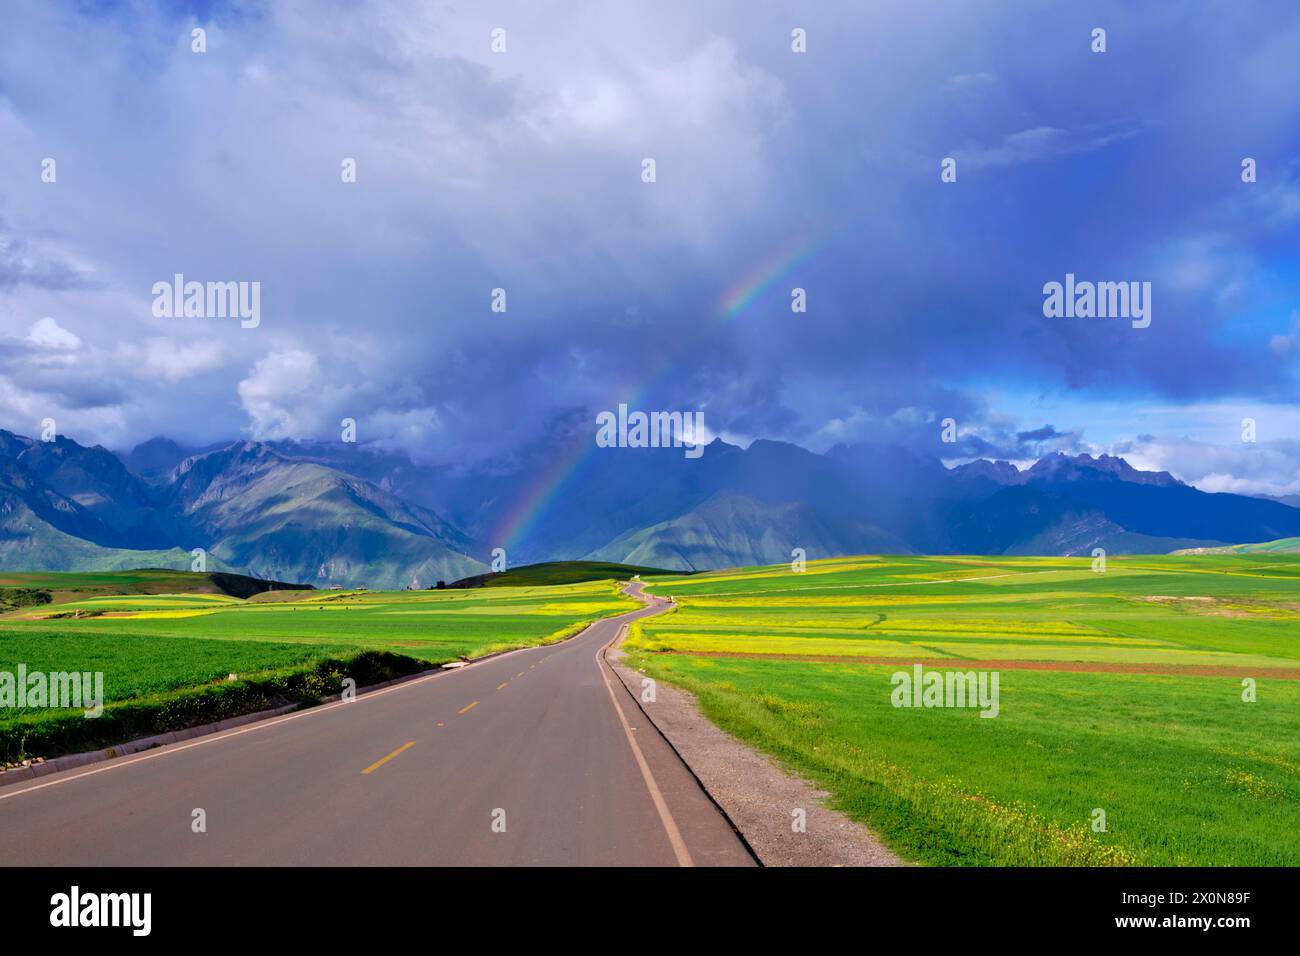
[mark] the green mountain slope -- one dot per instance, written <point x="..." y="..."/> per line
<point x="28" y="542"/>
<point x="736" y="531"/>
<point x="275" y="517"/>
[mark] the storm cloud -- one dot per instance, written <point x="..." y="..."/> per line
<point x="522" y="171"/>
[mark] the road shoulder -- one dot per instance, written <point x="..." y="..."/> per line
<point x="758" y="797"/>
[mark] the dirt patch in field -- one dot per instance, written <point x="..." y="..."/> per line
<point x="1235" y="607"/>
<point x="282" y="597"/>
<point x="954" y="663"/>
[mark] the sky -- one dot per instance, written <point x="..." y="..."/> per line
<point x="522" y="170"/>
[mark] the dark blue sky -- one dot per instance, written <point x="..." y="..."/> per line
<point x="522" y="170"/>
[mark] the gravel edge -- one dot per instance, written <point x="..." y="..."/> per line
<point x="759" y="798"/>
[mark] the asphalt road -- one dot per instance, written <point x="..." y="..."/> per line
<point x="537" y="757"/>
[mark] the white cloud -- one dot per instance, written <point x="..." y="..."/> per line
<point x="972" y="83"/>
<point x="47" y="333"/>
<point x="282" y="395"/>
<point x="1267" y="467"/>
<point x="174" y="361"/>
<point x="1043" y="143"/>
<point x="1287" y="344"/>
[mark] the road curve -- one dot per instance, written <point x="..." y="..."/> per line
<point x="538" y="757"/>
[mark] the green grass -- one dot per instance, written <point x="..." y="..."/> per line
<point x="112" y="582"/>
<point x="1186" y="772"/>
<point x="67" y="586"/>
<point x="156" y="647"/>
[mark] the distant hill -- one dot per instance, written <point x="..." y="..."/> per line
<point x="1281" y="546"/>
<point x="557" y="572"/>
<point x="1292" y="500"/>
<point x="72" y="586"/>
<point x="737" y="531"/>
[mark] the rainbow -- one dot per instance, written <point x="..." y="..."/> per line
<point x="537" y="498"/>
<point x="774" y="269"/>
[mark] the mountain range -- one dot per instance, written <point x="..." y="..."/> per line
<point x="349" y="514"/>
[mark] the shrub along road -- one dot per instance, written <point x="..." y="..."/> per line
<point x="536" y="757"/>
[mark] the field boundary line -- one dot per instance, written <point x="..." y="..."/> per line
<point x="892" y="584"/>
<point x="991" y="577"/>
<point x="961" y="663"/>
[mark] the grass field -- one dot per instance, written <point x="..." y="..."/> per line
<point x="153" y="648"/>
<point x="143" y="579"/>
<point x="1119" y="691"/>
<point x="72" y="585"/>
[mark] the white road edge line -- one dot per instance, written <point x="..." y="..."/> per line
<point x="680" y="851"/>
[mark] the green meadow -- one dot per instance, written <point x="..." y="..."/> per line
<point x="1120" y="692"/>
<point x="156" y="651"/>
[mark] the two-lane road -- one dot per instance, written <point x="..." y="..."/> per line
<point x="537" y="757"/>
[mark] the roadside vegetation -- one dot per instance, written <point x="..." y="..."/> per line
<point x="167" y="659"/>
<point x="1119" y="691"/>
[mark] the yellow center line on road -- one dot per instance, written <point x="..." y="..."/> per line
<point x="466" y="707"/>
<point x="520" y="674"/>
<point x="158" y="753"/>
<point x="502" y="684"/>
<point x="379" y="763"/>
